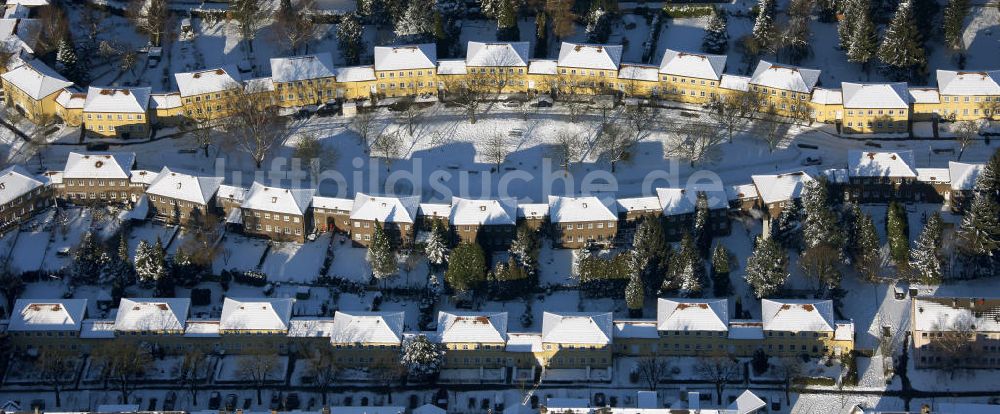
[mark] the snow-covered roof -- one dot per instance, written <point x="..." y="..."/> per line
<point x="385" y="209"/>
<point x="944" y="313"/>
<point x="126" y="100"/>
<point x="747" y="403"/>
<point x="579" y="209"/>
<point x="497" y="54"/>
<point x="256" y="314"/>
<point x="479" y="327"/>
<point x="677" y="201"/>
<point x="524" y="342"/>
<point x="963" y="175"/>
<point x="279" y="200"/>
<point x="782" y="187"/>
<point x="299" y="68"/>
<point x="47" y="315"/>
<point x="36" y="79"/>
<point x="428" y="409"/>
<point x="924" y="95"/>
<point x="71" y="100"/>
<point x="422" y="56"/>
<point x="742" y="191"/>
<point x="952" y="82"/>
<point x="642" y="329"/>
<point x="692" y="314"/>
<point x="202" y="328"/>
<point x="797" y="315"/>
<point x="451" y="67"/>
<point x="434" y="210"/>
<point x="468" y="212"/>
<point x="564" y="405"/>
<point x="169" y="100"/>
<point x="875" y="95"/>
<point x="258" y="85"/>
<point x="532" y="211"/>
<point x="745" y="330"/>
<point x="932" y="175"/>
<point x="367" y="327"/>
<point x="234" y="193"/>
<point x="333" y="203"/>
<point x="99" y="165"/>
<point x="152" y="314"/>
<point x="734" y="82"/>
<point x="792" y="78"/>
<point x="207" y="81"/>
<point x="577" y="328"/>
<point x="692" y="65"/>
<point x="587" y="56"/>
<point x="542" y="67"/>
<point x="862" y="163"/>
<point x="639" y="204"/>
<point x="97" y="329"/>
<point x="310" y="327"/>
<point x="355" y="74"/>
<point x="29" y="3"/>
<point x="823" y="96"/>
<point x="638" y="72"/>
<point x="185" y="187"/>
<point x="16" y="181"/>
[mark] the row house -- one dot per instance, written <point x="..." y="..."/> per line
<point x="498" y="66"/>
<point x="31" y="89"/>
<point x="248" y="323"/>
<point x="473" y="339"/>
<point x="691" y="77"/>
<point x="578" y="221"/>
<point x="638" y="81"/>
<point x="277" y="213"/>
<point x="433" y="214"/>
<point x="778" y="191"/>
<point x="356" y="83"/>
<point x="743" y="197"/>
<point x="166" y="109"/>
<point x="303" y="80"/>
<point x="490" y="223"/>
<point x="961" y="183"/>
<point x="39" y="324"/>
<point x="208" y="94"/>
<point x="631" y="211"/>
<point x="157" y="322"/>
<point x="880" y="176"/>
<point x="959" y="332"/>
<point x="787" y="89"/>
<point x="407" y="70"/>
<point x="586" y="69"/>
<point x="969" y="95"/>
<point x="925" y="104"/>
<point x="826" y="105"/>
<point x="69" y="106"/>
<point x="366" y="339"/>
<point x="396" y="215"/>
<point x="97" y="177"/>
<point x="117" y="112"/>
<point x="532" y="215"/>
<point x="680" y="206"/>
<point x="332" y="214"/>
<point x="876" y="107"/>
<point x="933" y="185"/>
<point x="21" y="196"/>
<point x="576" y="340"/>
<point x="228" y="200"/>
<point x="177" y="197"/>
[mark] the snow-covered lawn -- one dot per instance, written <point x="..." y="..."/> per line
<point x="296" y="262"/>
<point x="239" y="252"/>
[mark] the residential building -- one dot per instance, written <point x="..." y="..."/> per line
<point x="177" y="197"/>
<point x="967" y="95"/>
<point x="827" y="105"/>
<point x="396" y="215"/>
<point x="586" y="69"/>
<point x="962" y="177"/>
<point x="692" y="326"/>
<point x="277" y="213"/>
<point x="261" y="323"/>
<point x="21" y="196"/>
<point x="876" y="108"/>
<point x="691" y="77"/>
<point x="97" y="177"/>
<point x="166" y="109"/>
<point x="69" y="106"/>
<point x="356" y="82"/>
<point x="787" y="88"/>
<point x="680" y="207"/>
<point x="579" y="221"/>
<point x="532" y="215"/>
<point x="408" y="70"/>
<point x="955" y="332"/>
<point x="31" y="89"/>
<point x="880" y="176"/>
<point x="332" y="214"/>
<point x="117" y="112"/>
<point x="431" y="214"/>
<point x="743" y="197"/>
<point x="778" y="191"/>
<point x="37" y="324"/>
<point x="157" y="321"/>
<point x="804" y="326"/>
<point x="490" y="223"/>
<point x="228" y="200"/>
<point x="502" y="66"/>
<point x="576" y="340"/>
<point x="638" y="81"/>
<point x="473" y="339"/>
<point x="366" y="339"/>
<point x="303" y="80"/>
<point x="208" y="94"/>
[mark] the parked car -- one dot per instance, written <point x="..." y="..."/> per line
<point x="812" y="161"/>
<point x="214" y="401"/>
<point x="275" y="401"/>
<point x="328" y="109"/>
<point x="292" y="401"/>
<point x="170" y="401"/>
<point x="231" y="402"/>
<point x="542" y="104"/>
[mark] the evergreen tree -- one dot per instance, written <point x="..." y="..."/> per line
<point x="766" y="270"/>
<point x="650" y="252"/>
<point x="491" y="8"/>
<point x="508" y="280"/>
<point x="716" y="33"/>
<point x="898" y="235"/>
<point x="702" y="225"/>
<point x="349" y="38"/>
<point x="507" y="22"/>
<point x="988" y="181"/>
<point x="436" y="250"/>
<point x="687" y="268"/>
<point x="902" y="51"/>
<point x="381" y="255"/>
<point x="417" y="22"/>
<point x="421" y="357"/>
<point x="979" y="233"/>
<point x="926" y="258"/>
<point x="845" y="28"/>
<point x="721" y="264"/>
<point x="820" y="225"/>
<point x="89" y="260"/>
<point x="524" y="249"/>
<point x="827" y="10"/>
<point x="954" y="23"/>
<point x="598" y="25"/>
<point x="634" y="295"/>
<point x="863" y="42"/>
<point x="764" y="30"/>
<point x="866" y="249"/>
<point x="787" y="229"/>
<point x="119" y="269"/>
<point x="466" y="267"/>
<point x="150" y="262"/>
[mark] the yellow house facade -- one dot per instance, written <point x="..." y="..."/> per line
<point x="968" y="95"/>
<point x="473" y="339"/>
<point x="117" y="113"/>
<point x="356" y="83"/>
<point x="406" y="70"/>
<point x="588" y="69"/>
<point x="691" y="77"/>
<point x="31" y="89"/>
<point x="303" y="80"/>
<point x="787" y="89"/>
<point x="876" y="107"/>
<point x="499" y="67"/>
<point x="207" y="94"/>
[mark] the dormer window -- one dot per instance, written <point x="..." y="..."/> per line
<point x="274" y="200"/>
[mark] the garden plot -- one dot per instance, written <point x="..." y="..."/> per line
<point x="296" y="262"/>
<point x="228" y="369"/>
<point x="239" y="252"/>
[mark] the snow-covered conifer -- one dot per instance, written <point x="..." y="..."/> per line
<point x="766" y="270"/>
<point x="716" y="33"/>
<point x="421" y="357"/>
<point x="926" y="258"/>
<point x="381" y="255"/>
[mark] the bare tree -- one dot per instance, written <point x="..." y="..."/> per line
<point x="201" y="125"/>
<point x="123" y="364"/>
<point x="569" y="147"/>
<point x="253" y="124"/>
<point x="770" y="123"/>
<point x="54" y="28"/>
<point x="465" y="94"/>
<point x="410" y="115"/>
<point x="719" y="370"/>
<point x="257" y="367"/>
<point x="388" y="146"/>
<point x="195" y="370"/>
<point x="788" y="369"/>
<point x="615" y="143"/>
<point x="653" y="370"/>
<point x="364" y="125"/>
<point x="92" y="23"/>
<point x="324" y="369"/>
<point x="697" y="140"/>
<point x="250" y="16"/>
<point x="965" y="134"/>
<point x="734" y="110"/>
<point x="127" y="59"/>
<point x="38" y="139"/>
<point x="954" y="346"/>
<point x="150" y="17"/>
<point x="57" y="368"/>
<point x="293" y="24"/>
<point x="821" y="262"/>
<point x="496" y="147"/>
<point x="563" y="19"/>
<point x="309" y="149"/>
<point x="640" y="119"/>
